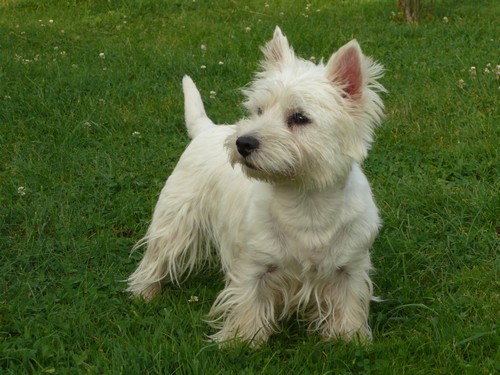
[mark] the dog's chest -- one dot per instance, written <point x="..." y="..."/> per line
<point x="308" y="243"/>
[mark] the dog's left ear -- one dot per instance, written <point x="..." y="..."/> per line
<point x="277" y="52"/>
<point x="345" y="68"/>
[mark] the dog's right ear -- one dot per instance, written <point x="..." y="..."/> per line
<point x="277" y="52"/>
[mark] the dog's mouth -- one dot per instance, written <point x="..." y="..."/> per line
<point x="249" y="165"/>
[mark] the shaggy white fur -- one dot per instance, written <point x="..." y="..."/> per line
<point x="282" y="197"/>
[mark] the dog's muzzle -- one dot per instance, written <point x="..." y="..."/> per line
<point x="246" y="145"/>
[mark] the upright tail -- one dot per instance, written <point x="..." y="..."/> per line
<point x="196" y="118"/>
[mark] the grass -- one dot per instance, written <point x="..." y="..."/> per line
<point x="91" y="124"/>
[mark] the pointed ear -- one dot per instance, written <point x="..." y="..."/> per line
<point x="345" y="68"/>
<point x="277" y="52"/>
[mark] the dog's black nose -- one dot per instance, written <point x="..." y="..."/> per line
<point x="246" y="145"/>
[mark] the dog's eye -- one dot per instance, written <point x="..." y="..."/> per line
<point x="298" y="119"/>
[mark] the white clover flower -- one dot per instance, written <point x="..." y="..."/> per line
<point x="21" y="190"/>
<point x="87" y="125"/>
<point x="51" y="21"/>
<point x="461" y="83"/>
<point x="7" y="97"/>
<point x="445" y="19"/>
<point x="136" y="134"/>
<point x="213" y="94"/>
<point x="221" y="62"/>
<point x="248" y="29"/>
<point x="193" y="299"/>
<point x="203" y="47"/>
<point x="203" y="67"/>
<point x="472" y="71"/>
<point x="102" y="55"/>
<point x="487" y="71"/>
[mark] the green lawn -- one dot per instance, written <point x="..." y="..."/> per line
<point x="91" y="125"/>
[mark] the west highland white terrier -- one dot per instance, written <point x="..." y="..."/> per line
<point x="281" y="195"/>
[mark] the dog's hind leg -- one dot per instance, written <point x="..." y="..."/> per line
<point x="173" y="244"/>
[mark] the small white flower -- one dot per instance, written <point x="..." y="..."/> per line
<point x="203" y="47"/>
<point x="51" y="21"/>
<point x="21" y="190"/>
<point x="461" y="83"/>
<point x="203" y="67"/>
<point x="63" y="53"/>
<point x="7" y="97"/>
<point x="213" y="94"/>
<point x="445" y="19"/>
<point x="312" y="58"/>
<point x="221" y="62"/>
<point x="87" y="125"/>
<point x="136" y="134"/>
<point x="193" y="299"/>
<point x="472" y="70"/>
<point x="102" y="55"/>
<point x="248" y="29"/>
<point x="487" y="71"/>
<point x="266" y="5"/>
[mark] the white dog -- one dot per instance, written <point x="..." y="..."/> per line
<point x="282" y="197"/>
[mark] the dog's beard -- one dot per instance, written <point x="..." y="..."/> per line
<point x="259" y="166"/>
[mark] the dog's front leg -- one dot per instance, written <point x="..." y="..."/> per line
<point x="246" y="308"/>
<point x="344" y="310"/>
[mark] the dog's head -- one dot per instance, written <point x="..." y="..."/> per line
<point x="308" y="123"/>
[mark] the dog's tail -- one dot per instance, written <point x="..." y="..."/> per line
<point x="196" y="118"/>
